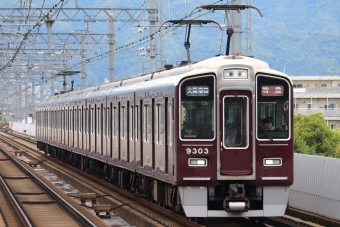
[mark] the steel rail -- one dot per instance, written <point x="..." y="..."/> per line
<point x="17" y="210"/>
<point x="79" y="217"/>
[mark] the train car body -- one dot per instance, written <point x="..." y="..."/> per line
<point x="191" y="138"/>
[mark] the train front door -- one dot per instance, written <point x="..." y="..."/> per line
<point x="236" y="126"/>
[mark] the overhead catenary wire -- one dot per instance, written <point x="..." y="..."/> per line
<point x="117" y="50"/>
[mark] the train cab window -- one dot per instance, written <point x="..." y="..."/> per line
<point x="273" y="107"/>
<point x="197" y="106"/>
<point x="235" y="109"/>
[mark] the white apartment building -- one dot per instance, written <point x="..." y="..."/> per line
<point x="318" y="94"/>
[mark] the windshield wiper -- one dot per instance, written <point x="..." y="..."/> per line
<point x="265" y="132"/>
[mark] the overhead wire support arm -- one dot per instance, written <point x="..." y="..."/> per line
<point x="230" y="30"/>
<point x="189" y="23"/>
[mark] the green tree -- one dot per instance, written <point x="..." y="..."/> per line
<point x="313" y="131"/>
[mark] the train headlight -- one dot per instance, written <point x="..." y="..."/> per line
<point x="272" y="161"/>
<point x="198" y="162"/>
<point x="242" y="73"/>
<point x="235" y="74"/>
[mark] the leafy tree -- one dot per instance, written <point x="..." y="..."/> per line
<point x="316" y="134"/>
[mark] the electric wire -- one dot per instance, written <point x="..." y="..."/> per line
<point x="117" y="50"/>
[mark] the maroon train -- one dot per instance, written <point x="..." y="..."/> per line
<point x="190" y="137"/>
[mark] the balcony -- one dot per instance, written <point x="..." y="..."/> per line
<point x="328" y="114"/>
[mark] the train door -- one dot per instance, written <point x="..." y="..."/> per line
<point x="160" y="119"/>
<point x="115" y="131"/>
<point x="147" y="136"/>
<point x="62" y="130"/>
<point x="105" y="130"/>
<point x="87" y="127"/>
<point x="99" y="128"/>
<point x="71" y="128"/>
<point x="123" y="132"/>
<point x="81" y="127"/>
<point x="138" y="133"/>
<point x="236" y="128"/>
<point x="131" y="143"/>
<point x="93" y="108"/>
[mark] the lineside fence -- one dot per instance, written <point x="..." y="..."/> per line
<point x="24" y="128"/>
<point x="316" y="187"/>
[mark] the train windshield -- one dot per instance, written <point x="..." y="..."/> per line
<point x="197" y="108"/>
<point x="235" y="109"/>
<point x="273" y="114"/>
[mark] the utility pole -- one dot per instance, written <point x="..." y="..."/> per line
<point x="111" y="49"/>
<point x="236" y="18"/>
<point x="153" y="41"/>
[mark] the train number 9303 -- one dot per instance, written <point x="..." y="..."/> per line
<point x="197" y="150"/>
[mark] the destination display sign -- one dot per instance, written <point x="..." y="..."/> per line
<point x="197" y="90"/>
<point x="272" y="90"/>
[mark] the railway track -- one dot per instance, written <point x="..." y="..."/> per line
<point x="31" y="202"/>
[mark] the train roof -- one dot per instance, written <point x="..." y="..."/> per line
<point x="169" y="77"/>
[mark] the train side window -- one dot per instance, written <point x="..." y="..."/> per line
<point x="75" y="121"/>
<point x="80" y="120"/>
<point x="171" y="124"/>
<point x="86" y="120"/>
<point x="137" y="122"/>
<point x="92" y="121"/>
<point x="146" y="124"/>
<point x="115" y="122"/>
<point x="71" y="120"/>
<point x="104" y="122"/>
<point x="131" y="125"/>
<point x="109" y="122"/>
<point x="99" y="119"/>
<point x="123" y="122"/>
<point x="62" y="119"/>
<point x="66" y="120"/>
<point x="159" y="126"/>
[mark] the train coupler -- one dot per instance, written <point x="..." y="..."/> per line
<point x="237" y="200"/>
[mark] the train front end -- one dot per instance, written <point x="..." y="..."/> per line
<point x="235" y="140"/>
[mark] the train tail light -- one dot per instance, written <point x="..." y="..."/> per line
<point x="272" y="161"/>
<point x="198" y="162"/>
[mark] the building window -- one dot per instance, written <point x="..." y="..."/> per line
<point x="296" y="106"/>
<point x="333" y="126"/>
<point x="331" y="106"/>
<point x="309" y="106"/>
<point x="320" y="85"/>
<point x="297" y="85"/>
